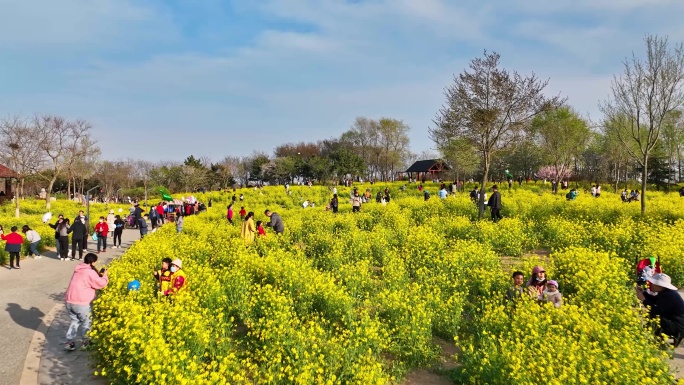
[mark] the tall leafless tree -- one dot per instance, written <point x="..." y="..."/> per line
<point x="57" y="138"/>
<point x="489" y="107"/>
<point x="20" y="150"/>
<point x="646" y="93"/>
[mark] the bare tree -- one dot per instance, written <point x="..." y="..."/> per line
<point x="80" y="160"/>
<point x="364" y="139"/>
<point x="20" y="150"/>
<point x="647" y="92"/>
<point x="143" y="170"/>
<point x="230" y="168"/>
<point x="393" y="143"/>
<point x="489" y="107"/>
<point x="56" y="140"/>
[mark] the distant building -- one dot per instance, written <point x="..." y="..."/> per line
<point x="428" y="169"/>
<point x="6" y="176"/>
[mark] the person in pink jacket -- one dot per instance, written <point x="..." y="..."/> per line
<point x="79" y="295"/>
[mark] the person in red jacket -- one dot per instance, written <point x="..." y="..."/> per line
<point x="101" y="229"/>
<point x="13" y="245"/>
<point x="243" y="213"/>
<point x="160" y="211"/>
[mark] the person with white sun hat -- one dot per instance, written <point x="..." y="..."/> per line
<point x="666" y="304"/>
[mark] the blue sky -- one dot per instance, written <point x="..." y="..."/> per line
<point x="161" y="80"/>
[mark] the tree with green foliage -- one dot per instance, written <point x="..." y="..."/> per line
<point x="258" y="160"/>
<point x="461" y="155"/>
<point x="524" y="160"/>
<point x="561" y="135"/>
<point x="672" y="142"/>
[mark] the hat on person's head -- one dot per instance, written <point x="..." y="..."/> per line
<point x="177" y="262"/>
<point x="662" y="280"/>
<point x="538" y="269"/>
<point x="552" y="282"/>
<point x="111" y="211"/>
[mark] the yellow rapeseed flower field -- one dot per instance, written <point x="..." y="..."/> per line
<point x="359" y="298"/>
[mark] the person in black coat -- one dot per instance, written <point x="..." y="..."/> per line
<point x="494" y="204"/>
<point x="79" y="233"/>
<point x="334" y="203"/>
<point x="667" y="304"/>
<point x="137" y="213"/>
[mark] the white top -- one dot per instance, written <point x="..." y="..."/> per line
<point x="32" y="236"/>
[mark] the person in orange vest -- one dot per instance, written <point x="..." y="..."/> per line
<point x="179" y="280"/>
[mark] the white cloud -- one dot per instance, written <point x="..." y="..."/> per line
<point x="341" y="59"/>
<point x="75" y="24"/>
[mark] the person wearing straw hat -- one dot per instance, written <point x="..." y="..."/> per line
<point x="178" y="278"/>
<point x="666" y="304"/>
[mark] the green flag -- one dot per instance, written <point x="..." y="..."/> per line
<point x="166" y="196"/>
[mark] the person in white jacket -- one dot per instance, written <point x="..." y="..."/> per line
<point x="110" y="223"/>
<point x="34" y="240"/>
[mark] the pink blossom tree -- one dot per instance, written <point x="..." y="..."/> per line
<point x="550" y="173"/>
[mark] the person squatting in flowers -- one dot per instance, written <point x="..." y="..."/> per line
<point x="666" y="304"/>
<point x="516" y="290"/>
<point x="179" y="280"/>
<point x="537" y="283"/>
<point x="551" y="294"/>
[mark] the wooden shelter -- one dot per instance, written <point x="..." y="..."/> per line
<point x="428" y="169"/>
<point x="6" y="176"/>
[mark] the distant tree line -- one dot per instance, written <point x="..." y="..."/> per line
<point x="493" y="123"/>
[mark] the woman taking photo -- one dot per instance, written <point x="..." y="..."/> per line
<point x="79" y="295"/>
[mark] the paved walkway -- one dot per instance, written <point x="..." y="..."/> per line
<point x="32" y="296"/>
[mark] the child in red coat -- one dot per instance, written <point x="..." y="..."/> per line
<point x="101" y="229"/>
<point x="243" y="213"/>
<point x="260" y="229"/>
